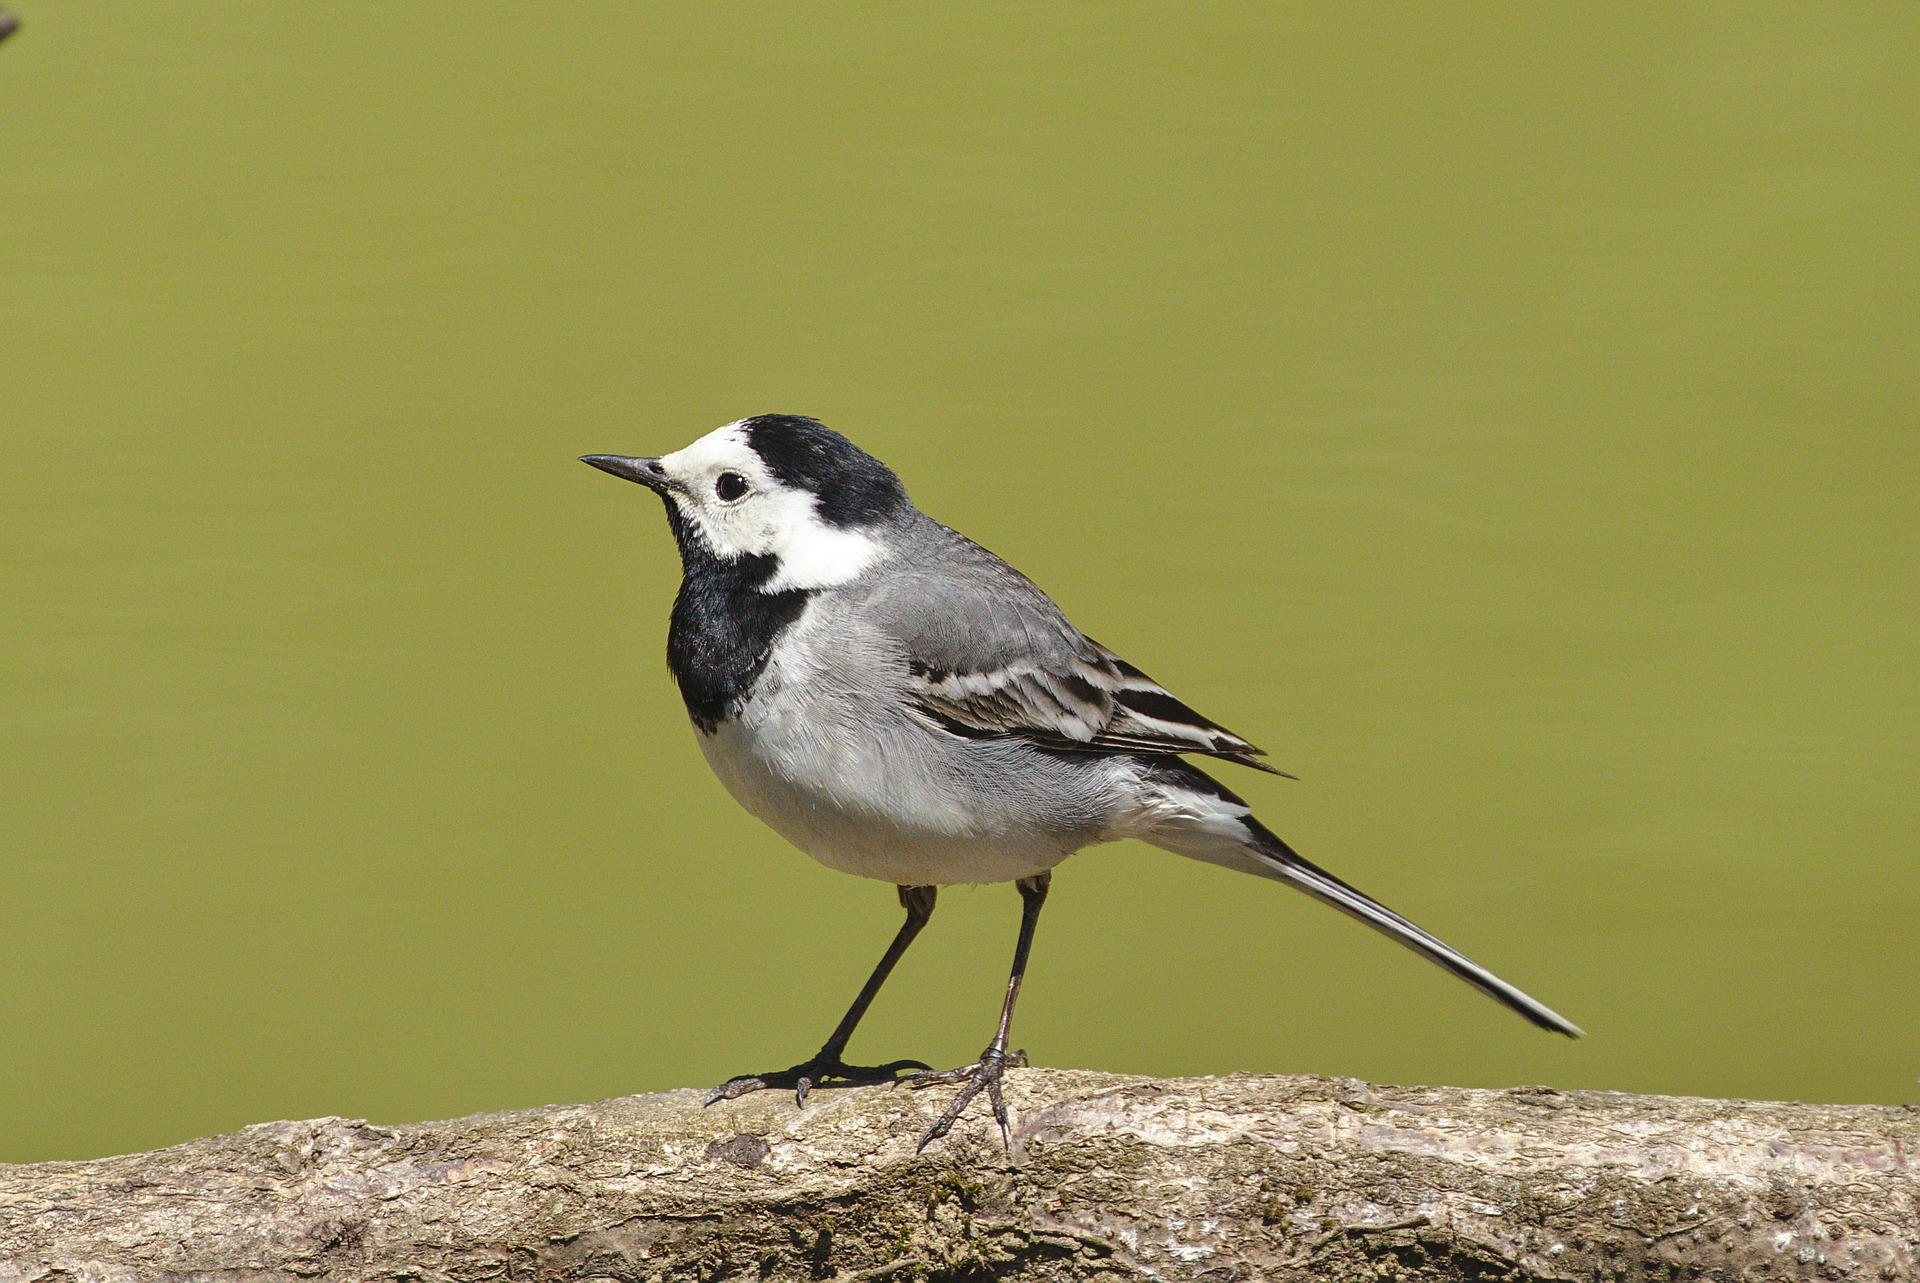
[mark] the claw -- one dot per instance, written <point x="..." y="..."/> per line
<point x="732" y="1089"/>
<point x="821" y="1071"/>
<point x="983" y="1074"/>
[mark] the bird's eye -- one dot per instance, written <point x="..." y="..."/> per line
<point x="730" y="486"/>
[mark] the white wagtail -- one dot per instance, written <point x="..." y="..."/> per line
<point x="899" y="703"/>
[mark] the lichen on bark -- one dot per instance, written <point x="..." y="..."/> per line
<point x="1212" y="1179"/>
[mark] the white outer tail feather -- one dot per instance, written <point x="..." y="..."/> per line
<point x="1218" y="828"/>
<point x="1328" y="889"/>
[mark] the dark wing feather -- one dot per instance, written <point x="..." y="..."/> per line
<point x="989" y="654"/>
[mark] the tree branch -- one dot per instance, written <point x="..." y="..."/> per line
<point x="1113" y="1178"/>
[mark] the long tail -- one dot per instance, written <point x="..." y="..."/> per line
<point x="1218" y="827"/>
<point x="1290" y="867"/>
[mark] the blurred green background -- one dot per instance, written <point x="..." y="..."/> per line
<point x="1507" y="414"/>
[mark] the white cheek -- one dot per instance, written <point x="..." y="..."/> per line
<point x="714" y="535"/>
<point x="779" y="523"/>
<point x="811" y="553"/>
<point x="819" y="556"/>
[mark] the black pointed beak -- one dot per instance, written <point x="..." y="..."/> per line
<point x="645" y="471"/>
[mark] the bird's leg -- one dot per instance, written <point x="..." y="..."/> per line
<point x="984" y="1074"/>
<point x="826" y="1068"/>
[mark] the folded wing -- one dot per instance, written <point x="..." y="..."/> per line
<point x="988" y="653"/>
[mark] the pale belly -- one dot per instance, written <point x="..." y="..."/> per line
<point x="882" y="804"/>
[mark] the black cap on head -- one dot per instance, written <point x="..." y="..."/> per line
<point x="850" y="486"/>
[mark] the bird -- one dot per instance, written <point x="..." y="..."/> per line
<point x="901" y="704"/>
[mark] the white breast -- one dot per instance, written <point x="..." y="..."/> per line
<point x="864" y="787"/>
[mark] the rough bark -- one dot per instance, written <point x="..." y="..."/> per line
<point x="1112" y="1178"/>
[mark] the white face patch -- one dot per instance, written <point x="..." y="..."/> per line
<point x="769" y="520"/>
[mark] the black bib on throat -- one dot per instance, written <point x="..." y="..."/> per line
<point x="723" y="626"/>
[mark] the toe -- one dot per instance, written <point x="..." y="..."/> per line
<point x="939" y="1077"/>
<point x="984" y="1075"/>
<point x="733" y="1089"/>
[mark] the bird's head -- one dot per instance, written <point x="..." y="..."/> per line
<point x="785" y="492"/>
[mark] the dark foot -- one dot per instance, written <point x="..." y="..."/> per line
<point x="821" y="1071"/>
<point x="982" y="1075"/>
